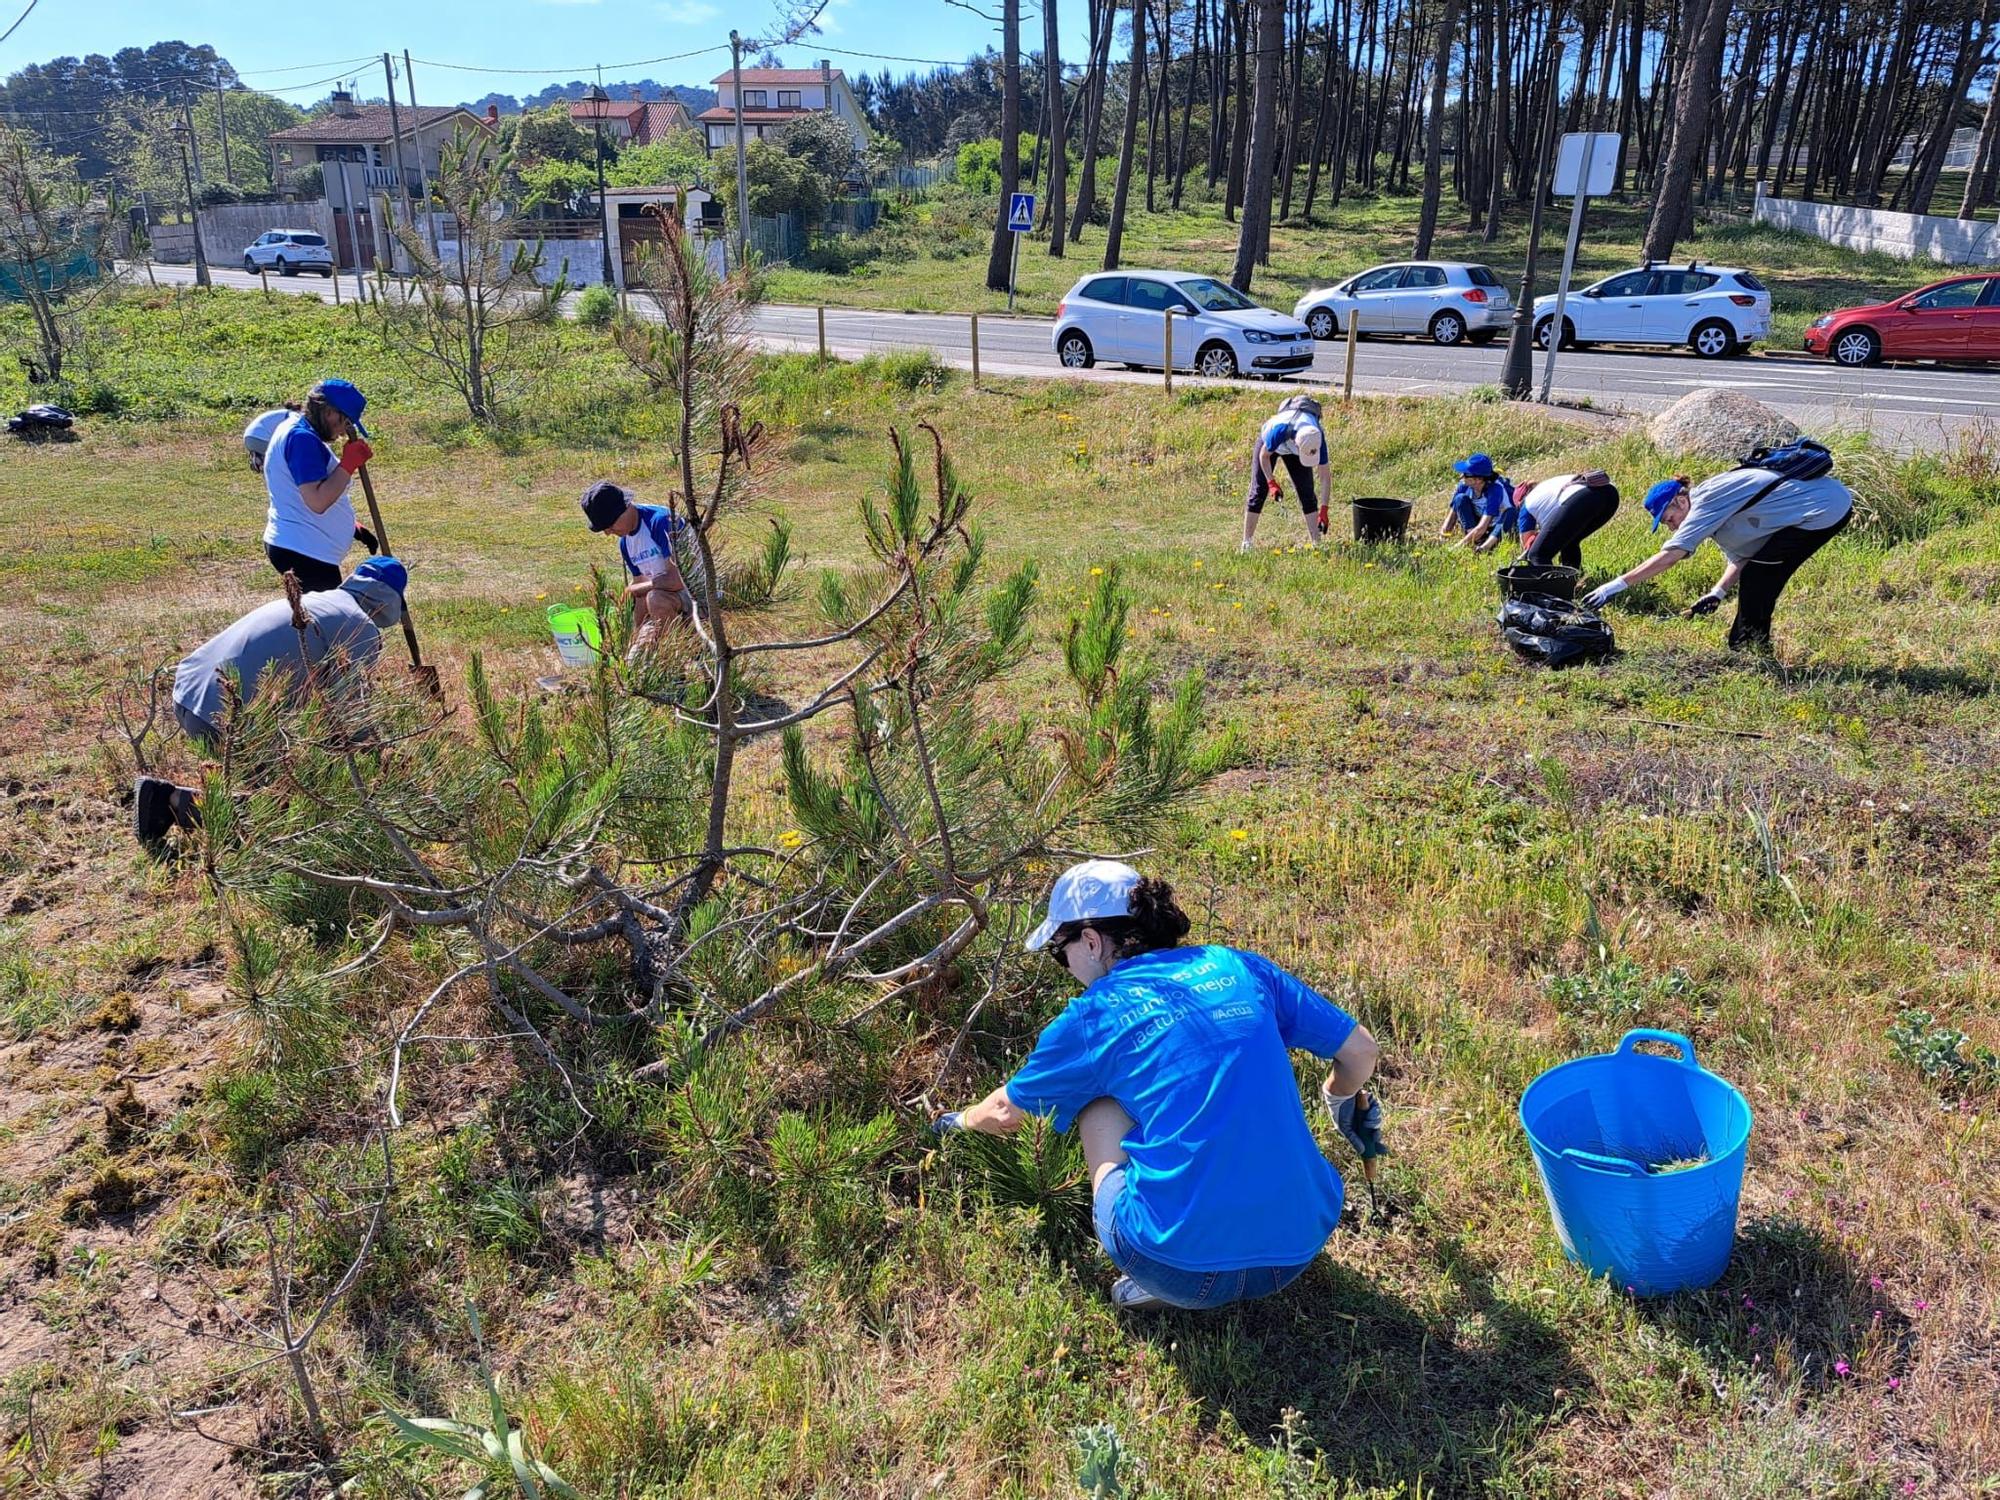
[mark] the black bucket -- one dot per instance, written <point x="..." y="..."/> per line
<point x="1378" y="520"/>
<point x="1550" y="581"/>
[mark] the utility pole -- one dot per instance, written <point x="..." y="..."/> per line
<point x="396" y="145"/>
<point x="194" y="216"/>
<point x="1517" y="375"/>
<point x="222" y="124"/>
<point x="417" y="144"/>
<point x="742" y="167"/>
<point x="194" y="141"/>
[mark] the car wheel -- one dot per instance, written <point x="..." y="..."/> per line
<point x="1321" y="323"/>
<point x="1074" y="352"/>
<point x="250" y="265"/>
<point x="1856" y="347"/>
<point x="1217" y="361"/>
<point x="1713" y="339"/>
<point x="1447" y="328"/>
<point x="1568" y="334"/>
<point x="284" y="269"/>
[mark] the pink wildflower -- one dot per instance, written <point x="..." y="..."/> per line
<point x="1895" y="1382"/>
<point x="1875" y="1282"/>
<point x="1840" y="1367"/>
<point x="1922" y="1305"/>
<point x="1755" y="1329"/>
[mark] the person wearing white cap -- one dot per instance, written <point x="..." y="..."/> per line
<point x="1295" y="436"/>
<point x="1175" y="1065"/>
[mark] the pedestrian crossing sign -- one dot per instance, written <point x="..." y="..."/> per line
<point x="1021" y="212"/>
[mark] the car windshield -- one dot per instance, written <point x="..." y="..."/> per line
<point x="1214" y="296"/>
<point x="308" y="239"/>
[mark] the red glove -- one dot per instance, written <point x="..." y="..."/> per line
<point x="1275" y="490"/>
<point x="354" y="454"/>
<point x="1325" y="517"/>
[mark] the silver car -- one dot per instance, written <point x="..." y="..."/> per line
<point x="1450" y="301"/>
<point x="289" y="250"/>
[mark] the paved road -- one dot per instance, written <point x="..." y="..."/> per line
<point x="1907" y="406"/>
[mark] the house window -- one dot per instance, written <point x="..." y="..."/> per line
<point x="788" y="98"/>
<point x="756" y="99"/>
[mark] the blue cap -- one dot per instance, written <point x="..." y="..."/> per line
<point x="1479" y="466"/>
<point x="344" y="397"/>
<point x="1660" y="496"/>
<point x="385" y="570"/>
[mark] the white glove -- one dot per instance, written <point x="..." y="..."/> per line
<point x="1598" y="597"/>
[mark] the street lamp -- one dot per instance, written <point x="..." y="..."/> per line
<point x="596" y="105"/>
<point x="182" y="135"/>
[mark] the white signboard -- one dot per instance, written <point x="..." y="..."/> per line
<point x="1600" y="149"/>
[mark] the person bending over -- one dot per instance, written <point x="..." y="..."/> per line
<point x="1560" y="513"/>
<point x="1296" y="438"/>
<point x="1175" y="1065"/>
<point x="1483" y="505"/>
<point x="1765" y="525"/>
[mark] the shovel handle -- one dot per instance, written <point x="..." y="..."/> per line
<point x="428" y="674"/>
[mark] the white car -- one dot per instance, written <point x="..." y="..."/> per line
<point x="1120" y="317"/>
<point x="1715" y="310"/>
<point x="289" y="250"/>
<point x="1451" y="301"/>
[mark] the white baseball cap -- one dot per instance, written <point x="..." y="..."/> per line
<point x="1309" y="437"/>
<point x="1095" y="888"/>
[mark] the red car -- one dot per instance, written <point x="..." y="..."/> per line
<point x="1955" y="319"/>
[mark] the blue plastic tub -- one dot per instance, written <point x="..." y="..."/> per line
<point x="1602" y="1127"/>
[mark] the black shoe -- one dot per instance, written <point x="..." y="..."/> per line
<point x="152" y="811"/>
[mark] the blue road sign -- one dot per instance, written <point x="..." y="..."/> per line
<point x="1021" y="211"/>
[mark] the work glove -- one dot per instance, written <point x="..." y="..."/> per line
<point x="354" y="453"/>
<point x="947" y="1123"/>
<point x="1360" y="1125"/>
<point x="1598" y="597"/>
<point x="1707" y="604"/>
<point x="367" y="539"/>
<point x="1325" y="518"/>
<point x="1275" y="490"/>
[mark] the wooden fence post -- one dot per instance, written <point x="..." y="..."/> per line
<point x="1353" y="338"/>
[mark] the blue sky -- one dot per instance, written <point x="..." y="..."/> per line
<point x="557" y="37"/>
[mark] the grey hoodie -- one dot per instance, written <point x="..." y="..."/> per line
<point x="269" y="654"/>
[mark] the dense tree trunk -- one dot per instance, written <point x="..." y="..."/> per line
<point x="1058" y="143"/>
<point x="1102" y="19"/>
<point x="1972" y="48"/>
<point x="1434" y="132"/>
<point x="1496" y="184"/>
<point x="1128" y="140"/>
<point x="1673" y="197"/>
<point x="1187" y="109"/>
<point x="999" y="263"/>
<point x="1239" y="131"/>
<point x="1979" y="181"/>
<point x="1261" y="155"/>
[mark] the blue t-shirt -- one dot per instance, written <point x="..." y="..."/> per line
<point x="648" y="550"/>
<point x="1194" y="1044"/>
<point x="1496" y="502"/>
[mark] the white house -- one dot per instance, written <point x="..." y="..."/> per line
<point x="774" y="97"/>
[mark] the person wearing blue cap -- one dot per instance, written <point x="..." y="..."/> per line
<point x="1764" y="521"/>
<point x="1558" y="514"/>
<point x="1482" y="506"/>
<point x="1175" y="1066"/>
<point x="266" y="654"/>
<point x="310" y="524"/>
<point x="646" y="536"/>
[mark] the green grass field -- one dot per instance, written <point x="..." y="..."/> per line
<point x="936" y="259"/>
<point x="1496" y="868"/>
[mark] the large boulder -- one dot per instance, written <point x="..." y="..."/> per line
<point x="1718" y="423"/>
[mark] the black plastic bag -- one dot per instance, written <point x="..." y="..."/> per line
<point x="1551" y="632"/>
<point x="41" y="420"/>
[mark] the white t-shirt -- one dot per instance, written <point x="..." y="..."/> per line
<point x="257" y="436"/>
<point x="1716" y="510"/>
<point x="298" y="456"/>
<point x="1545" y="499"/>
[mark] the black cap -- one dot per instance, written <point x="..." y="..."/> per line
<point x="604" y="502"/>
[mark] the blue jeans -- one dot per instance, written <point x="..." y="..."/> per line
<point x="1195" y="1290"/>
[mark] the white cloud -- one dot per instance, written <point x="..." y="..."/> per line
<point x="829" y="23"/>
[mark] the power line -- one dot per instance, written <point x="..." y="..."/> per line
<point x="19" y="19"/>
<point x="550" y="72"/>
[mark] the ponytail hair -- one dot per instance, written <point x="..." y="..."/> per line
<point x="316" y="408"/>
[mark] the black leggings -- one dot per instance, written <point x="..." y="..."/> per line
<point x="1302" y="481"/>
<point x="315" y="577"/>
<point x="1561" y="539"/>
<point x="1764" y="578"/>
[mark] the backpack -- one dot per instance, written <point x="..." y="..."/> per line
<point x="1303" y="405"/>
<point x="1549" y="632"/>
<point x="41" y="419"/>
<point x="1801" y="458"/>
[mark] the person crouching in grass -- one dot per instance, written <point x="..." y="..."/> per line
<point x="1175" y="1065"/>
<point x="646" y="535"/>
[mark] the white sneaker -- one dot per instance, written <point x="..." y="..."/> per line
<point x="1127" y="1293"/>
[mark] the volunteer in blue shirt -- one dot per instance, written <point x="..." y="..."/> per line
<point x="1482" y="507"/>
<point x="1295" y="438"/>
<point x="1175" y="1064"/>
<point x="310" y="525"/>
<point x="646" y="535"/>
<point x="1766" y="540"/>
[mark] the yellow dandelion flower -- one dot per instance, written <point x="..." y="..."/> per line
<point x="1237" y="605"/>
<point x="1197" y="562"/>
<point x="791" y="838"/>
<point x="1097" y="572"/>
<point x="543" y="594"/>
<point x="1367" y="567"/>
<point x="1218" y="585"/>
<point x="1239" y="834"/>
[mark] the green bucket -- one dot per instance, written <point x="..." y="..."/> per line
<point x="577" y="635"/>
